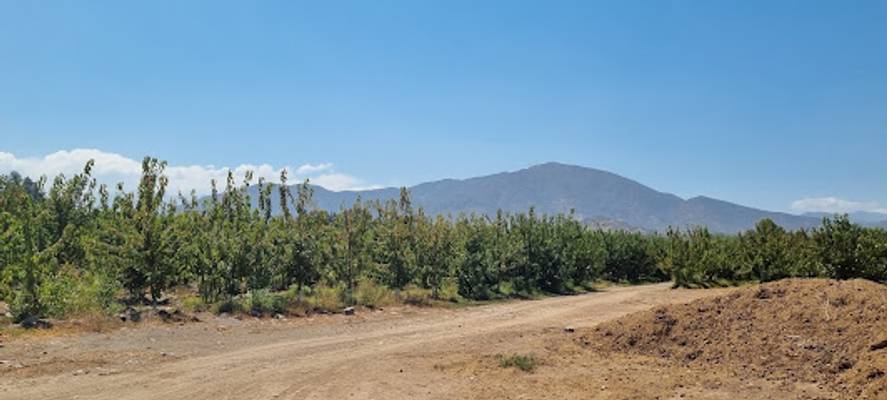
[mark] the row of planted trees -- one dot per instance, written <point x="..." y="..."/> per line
<point x="837" y="249"/>
<point x="74" y="247"/>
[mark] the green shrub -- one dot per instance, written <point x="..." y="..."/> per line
<point x="415" y="296"/>
<point x="193" y="304"/>
<point x="370" y="294"/>
<point x="73" y="293"/>
<point x="526" y="363"/>
<point x="327" y="298"/>
<point x="449" y="290"/>
<point x="262" y="302"/>
<point x="290" y="297"/>
<point x="230" y="306"/>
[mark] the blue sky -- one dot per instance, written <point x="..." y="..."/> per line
<point x="757" y="102"/>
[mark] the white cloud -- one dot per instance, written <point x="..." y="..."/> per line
<point x="310" y="169"/>
<point x="69" y="162"/>
<point x="835" y="205"/>
<point x="337" y="182"/>
<point x="111" y="168"/>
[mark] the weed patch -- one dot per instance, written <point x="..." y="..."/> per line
<point x="523" y="362"/>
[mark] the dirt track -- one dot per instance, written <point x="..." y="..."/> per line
<point x="403" y="353"/>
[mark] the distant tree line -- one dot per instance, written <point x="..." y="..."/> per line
<point x="76" y="247"/>
<point x="837" y="249"/>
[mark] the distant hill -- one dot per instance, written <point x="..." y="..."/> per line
<point x="860" y="217"/>
<point x="597" y="197"/>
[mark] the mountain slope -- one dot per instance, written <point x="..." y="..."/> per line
<point x="552" y="188"/>
<point x="860" y="217"/>
<point x="723" y="216"/>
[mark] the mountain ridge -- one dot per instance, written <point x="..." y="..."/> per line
<point x="599" y="197"/>
<point x="867" y="218"/>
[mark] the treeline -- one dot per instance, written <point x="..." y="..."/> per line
<point x="75" y="247"/>
<point x="837" y="249"/>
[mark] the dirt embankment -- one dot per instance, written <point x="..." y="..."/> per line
<point x="820" y="332"/>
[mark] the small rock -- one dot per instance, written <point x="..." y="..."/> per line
<point x="106" y="372"/>
<point x="279" y="316"/>
<point x="80" y="372"/>
<point x="348" y="311"/>
<point x="569" y="329"/>
<point x="135" y="316"/>
<point x="34" y="322"/>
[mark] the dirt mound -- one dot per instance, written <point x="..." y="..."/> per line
<point x="796" y="331"/>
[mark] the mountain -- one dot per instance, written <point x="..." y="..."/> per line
<point x="726" y="217"/>
<point x="860" y="217"/>
<point x="599" y="198"/>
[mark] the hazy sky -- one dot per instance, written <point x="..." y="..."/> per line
<point x="758" y="103"/>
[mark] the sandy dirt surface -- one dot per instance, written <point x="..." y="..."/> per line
<point x="399" y="353"/>
<point x="817" y="333"/>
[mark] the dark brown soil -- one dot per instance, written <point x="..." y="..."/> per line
<point x="821" y="332"/>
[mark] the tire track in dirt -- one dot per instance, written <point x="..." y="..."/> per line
<point x="361" y="361"/>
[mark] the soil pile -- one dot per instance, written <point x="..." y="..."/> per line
<point x="816" y="331"/>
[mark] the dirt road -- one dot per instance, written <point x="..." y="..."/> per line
<point x="403" y="353"/>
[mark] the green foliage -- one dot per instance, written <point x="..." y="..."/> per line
<point x="436" y="256"/>
<point x="699" y="259"/>
<point x="352" y="247"/>
<point x="75" y="292"/>
<point x="415" y="296"/>
<point x="229" y="306"/>
<point x="193" y="304"/>
<point x="632" y="257"/>
<point x="370" y="294"/>
<point x="479" y="271"/>
<point x="263" y="302"/>
<point x="72" y="248"/>
<point x="395" y="250"/>
<point x="872" y="253"/>
<point x="523" y="362"/>
<point x="448" y="291"/>
<point x="154" y="269"/>
<point x="838" y="249"/>
<point x="300" y="241"/>
<point x="327" y="298"/>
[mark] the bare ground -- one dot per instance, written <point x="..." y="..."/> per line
<point x="401" y="353"/>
